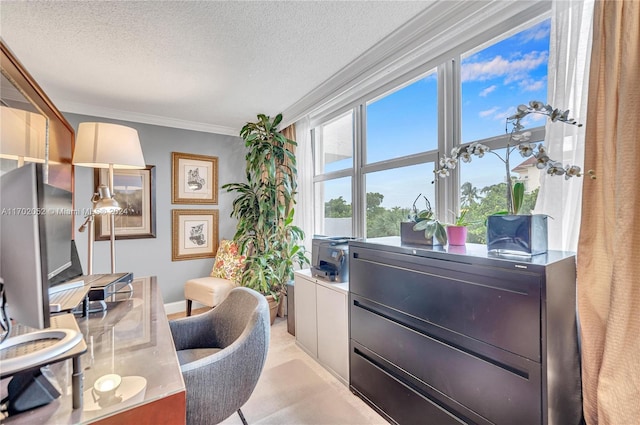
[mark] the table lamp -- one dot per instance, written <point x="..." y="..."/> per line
<point x="23" y="135"/>
<point x="112" y="146"/>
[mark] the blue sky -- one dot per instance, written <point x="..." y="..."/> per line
<point x="495" y="81"/>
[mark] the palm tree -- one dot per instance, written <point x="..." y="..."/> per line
<point x="468" y="195"/>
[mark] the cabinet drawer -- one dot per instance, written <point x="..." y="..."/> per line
<point x="393" y="398"/>
<point x="494" y="390"/>
<point x="496" y="306"/>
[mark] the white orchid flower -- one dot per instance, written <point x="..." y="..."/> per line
<point x="555" y="169"/>
<point x="542" y="150"/>
<point x="481" y="150"/>
<point x="541" y="161"/>
<point x="465" y="157"/>
<point x="451" y="163"/>
<point x="572" y="171"/>
<point x="526" y="149"/>
<point x="443" y="172"/>
<point x="536" y="104"/>
<point x="555" y="115"/>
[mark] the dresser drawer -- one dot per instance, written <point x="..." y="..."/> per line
<point x="503" y="388"/>
<point x="392" y="397"/>
<point x="499" y="307"/>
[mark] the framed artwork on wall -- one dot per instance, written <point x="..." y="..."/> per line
<point x="195" y="179"/>
<point x="194" y="234"/>
<point x="135" y="191"/>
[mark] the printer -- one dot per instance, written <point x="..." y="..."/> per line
<point x="330" y="258"/>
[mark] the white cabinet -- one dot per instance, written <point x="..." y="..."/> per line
<point x="306" y="323"/>
<point x="322" y="322"/>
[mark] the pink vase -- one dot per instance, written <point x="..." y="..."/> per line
<point x="457" y="235"/>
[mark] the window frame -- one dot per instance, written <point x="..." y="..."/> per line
<point x="449" y="106"/>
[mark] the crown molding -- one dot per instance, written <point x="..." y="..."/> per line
<point x="404" y="53"/>
<point x="116" y="114"/>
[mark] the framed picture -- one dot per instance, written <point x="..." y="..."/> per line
<point x="195" y="234"/>
<point x="195" y="179"/>
<point x="135" y="191"/>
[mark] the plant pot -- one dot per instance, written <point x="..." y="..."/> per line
<point x="415" y="237"/>
<point x="282" y="306"/>
<point x="517" y="234"/>
<point x="273" y="307"/>
<point x="457" y="235"/>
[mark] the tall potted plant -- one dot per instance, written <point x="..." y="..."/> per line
<point x="264" y="209"/>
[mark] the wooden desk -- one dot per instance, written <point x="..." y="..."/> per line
<point x="131" y="339"/>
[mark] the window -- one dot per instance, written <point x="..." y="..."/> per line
<point x="335" y="215"/>
<point x="401" y="148"/>
<point x="333" y="153"/>
<point x="372" y="162"/>
<point x="404" y="122"/>
<point x="390" y="195"/>
<point x="495" y="80"/>
<point x="334" y="145"/>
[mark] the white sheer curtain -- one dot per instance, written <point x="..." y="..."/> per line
<point x="304" y="200"/>
<point x="569" y="57"/>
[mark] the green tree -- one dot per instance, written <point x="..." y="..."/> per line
<point x="337" y="208"/>
<point x="385" y="222"/>
<point x="374" y="200"/>
<point x="493" y="199"/>
<point x="482" y="203"/>
<point x="529" y="201"/>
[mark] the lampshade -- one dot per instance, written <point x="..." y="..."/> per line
<point x="100" y="144"/>
<point x="23" y="135"/>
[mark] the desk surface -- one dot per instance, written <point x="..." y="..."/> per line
<point x="131" y="339"/>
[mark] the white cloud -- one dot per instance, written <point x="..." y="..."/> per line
<point x="531" y="85"/>
<point x="502" y="115"/>
<point x="536" y="33"/>
<point x="514" y="69"/>
<point x="496" y="113"/>
<point x="488" y="112"/>
<point x="488" y="90"/>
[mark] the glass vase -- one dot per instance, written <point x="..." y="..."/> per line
<point x="517" y="234"/>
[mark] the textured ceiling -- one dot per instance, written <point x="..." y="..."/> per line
<point x="207" y="65"/>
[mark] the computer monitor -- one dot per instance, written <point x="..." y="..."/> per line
<point x="35" y="239"/>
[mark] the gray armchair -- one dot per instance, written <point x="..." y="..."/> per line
<point x="222" y="353"/>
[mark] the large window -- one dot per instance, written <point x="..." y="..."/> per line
<point x="404" y="122"/>
<point x="335" y="215"/>
<point x="495" y="80"/>
<point x="375" y="160"/>
<point x="390" y="195"/>
<point x="333" y="157"/>
<point x="334" y="145"/>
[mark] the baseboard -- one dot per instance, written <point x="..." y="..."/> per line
<point x="180" y="307"/>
